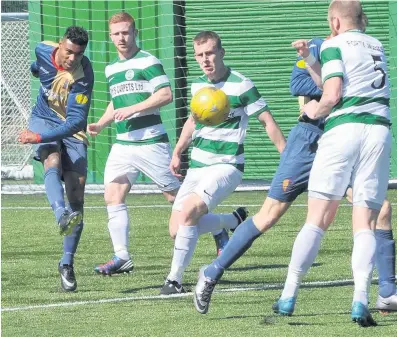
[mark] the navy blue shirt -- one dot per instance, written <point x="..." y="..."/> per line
<point x="65" y="96"/>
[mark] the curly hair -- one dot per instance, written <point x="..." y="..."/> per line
<point x="77" y="35"/>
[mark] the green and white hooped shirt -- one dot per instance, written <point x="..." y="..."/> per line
<point x="223" y="143"/>
<point x="360" y="60"/>
<point x="132" y="81"/>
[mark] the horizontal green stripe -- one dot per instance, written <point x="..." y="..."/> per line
<point x="234" y="101"/>
<point x="347" y="102"/>
<point x="120" y="77"/>
<point x="232" y="123"/>
<point x="250" y="96"/>
<point x="256" y="114"/>
<point x="137" y="123"/>
<point x="129" y="99"/>
<point x="218" y="147"/>
<point x="197" y="164"/>
<point x="339" y="74"/>
<point x="162" y="85"/>
<point x="153" y="71"/>
<point x="330" y="54"/>
<point x="158" y="139"/>
<point x="364" y="118"/>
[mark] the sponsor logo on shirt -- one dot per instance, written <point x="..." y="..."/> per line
<point x="126" y="88"/>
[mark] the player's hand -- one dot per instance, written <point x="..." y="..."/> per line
<point x="175" y="166"/>
<point x="123" y="113"/>
<point x="29" y="137"/>
<point x="94" y="129"/>
<point x="310" y="109"/>
<point x="301" y="47"/>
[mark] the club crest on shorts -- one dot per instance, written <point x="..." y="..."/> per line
<point x="286" y="183"/>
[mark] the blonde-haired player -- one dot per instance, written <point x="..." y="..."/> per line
<point x="354" y="150"/>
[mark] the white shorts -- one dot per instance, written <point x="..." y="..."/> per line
<point x="212" y="184"/>
<point x="152" y="159"/>
<point x="352" y="154"/>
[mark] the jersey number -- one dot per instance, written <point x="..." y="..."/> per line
<point x="378" y="68"/>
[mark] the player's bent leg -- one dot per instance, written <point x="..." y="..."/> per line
<point x="74" y="184"/>
<point x="272" y="210"/>
<point x="51" y="159"/>
<point x="241" y="241"/>
<point x="118" y="225"/>
<point x="173" y="224"/>
<point x="218" y="224"/>
<point x="192" y="209"/>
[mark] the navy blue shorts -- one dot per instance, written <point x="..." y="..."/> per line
<point x="292" y="175"/>
<point x="73" y="151"/>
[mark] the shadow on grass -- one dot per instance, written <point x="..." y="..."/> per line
<point x="235" y="317"/>
<point x="187" y="286"/>
<point x="269" y="266"/>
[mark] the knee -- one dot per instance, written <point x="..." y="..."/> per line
<point x="113" y="197"/>
<point x="172" y="232"/>
<point x="170" y="198"/>
<point x="384" y="217"/>
<point x="191" y="212"/>
<point x="264" y="221"/>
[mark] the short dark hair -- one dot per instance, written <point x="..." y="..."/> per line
<point x="77" y="35"/>
<point x="206" y="35"/>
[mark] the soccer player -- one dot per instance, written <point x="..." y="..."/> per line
<point x="291" y="179"/>
<point x="355" y="149"/>
<point x="217" y="157"/>
<point x="56" y="127"/>
<point x="139" y="87"/>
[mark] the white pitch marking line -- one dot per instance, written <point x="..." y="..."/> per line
<point x="166" y="297"/>
<point x="155" y="206"/>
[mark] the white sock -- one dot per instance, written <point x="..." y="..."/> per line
<point x="363" y="259"/>
<point x="215" y="223"/>
<point x="119" y="226"/>
<point x="304" y="252"/>
<point x="185" y="243"/>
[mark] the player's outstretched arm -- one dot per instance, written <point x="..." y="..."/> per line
<point x="183" y="143"/>
<point x="107" y="118"/>
<point x="161" y="97"/>
<point x="273" y="130"/>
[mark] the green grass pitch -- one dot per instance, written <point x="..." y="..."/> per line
<point x="129" y="305"/>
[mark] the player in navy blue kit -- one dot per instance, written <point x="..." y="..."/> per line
<point x="290" y="180"/>
<point x="57" y="126"/>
